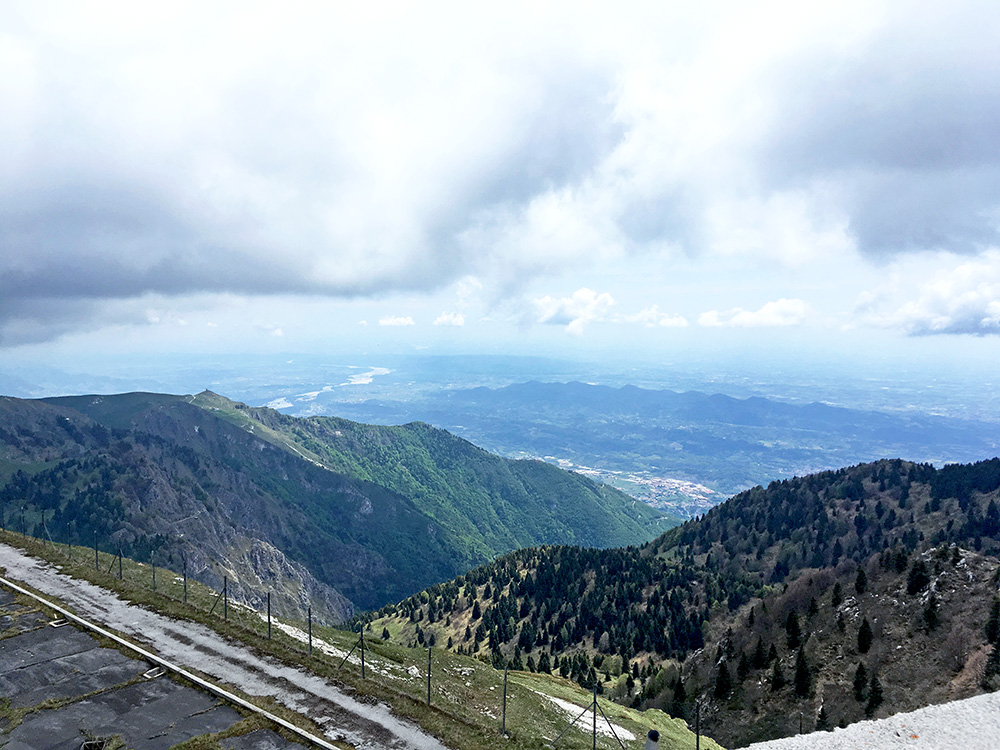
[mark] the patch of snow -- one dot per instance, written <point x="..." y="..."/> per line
<point x="970" y="724"/>
<point x="572" y="711"/>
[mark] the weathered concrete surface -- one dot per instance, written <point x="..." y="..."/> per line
<point x="342" y="718"/>
<point x="100" y="692"/>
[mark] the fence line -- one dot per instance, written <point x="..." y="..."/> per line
<point x="241" y="613"/>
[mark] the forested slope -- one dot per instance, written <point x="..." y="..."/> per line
<point x="341" y="513"/>
<point x="836" y="596"/>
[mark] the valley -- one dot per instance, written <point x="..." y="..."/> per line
<point x="340" y="514"/>
<point x="810" y="603"/>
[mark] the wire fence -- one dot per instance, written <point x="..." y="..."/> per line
<point x="229" y="607"/>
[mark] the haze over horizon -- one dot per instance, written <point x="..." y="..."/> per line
<point x="784" y="185"/>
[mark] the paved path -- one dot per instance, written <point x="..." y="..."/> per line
<point x="342" y="718"/>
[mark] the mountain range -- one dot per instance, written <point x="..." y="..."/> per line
<point x="333" y="514"/>
<point x="635" y="435"/>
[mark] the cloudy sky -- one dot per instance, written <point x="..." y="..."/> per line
<point x="294" y="176"/>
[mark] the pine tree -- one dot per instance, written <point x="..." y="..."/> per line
<point x="918" y="578"/>
<point x="544" y="664"/>
<point x="803" y="679"/>
<point x="838" y="594"/>
<point x="993" y="623"/>
<point x="677" y="708"/>
<point x="793" y="631"/>
<point x="865" y="637"/>
<point x="861" y="581"/>
<point x="823" y="721"/>
<point x="723" y="682"/>
<point x="777" y="678"/>
<point x="743" y="667"/>
<point x="874" y="695"/>
<point x="860" y="682"/>
<point x="991" y="673"/>
<point x="931" y="615"/>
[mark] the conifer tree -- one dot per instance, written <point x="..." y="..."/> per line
<point x="865" y="637"/>
<point x="860" y="682"/>
<point x="823" y="721"/>
<point x="931" y="615"/>
<point x="861" y="581"/>
<point x="544" y="663"/>
<point x="792" y="630"/>
<point x="743" y="668"/>
<point x="803" y="679"/>
<point x="874" y="695"/>
<point x="677" y="704"/>
<point x="993" y="623"/>
<point x="991" y="673"/>
<point x="777" y="678"/>
<point x="723" y="682"/>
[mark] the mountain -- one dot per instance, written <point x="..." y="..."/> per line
<point x="726" y="444"/>
<point x="337" y="514"/>
<point x="822" y="600"/>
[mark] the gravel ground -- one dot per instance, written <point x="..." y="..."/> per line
<point x="971" y="724"/>
<point x="365" y="726"/>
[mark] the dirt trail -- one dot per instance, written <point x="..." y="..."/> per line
<point x="342" y="718"/>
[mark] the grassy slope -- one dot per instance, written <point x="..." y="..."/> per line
<point x="466" y="693"/>
<point x="494" y="504"/>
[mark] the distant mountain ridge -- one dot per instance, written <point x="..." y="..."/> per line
<point x="729" y="444"/>
<point x="350" y="514"/>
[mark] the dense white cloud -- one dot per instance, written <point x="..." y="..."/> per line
<point x="575" y="312"/>
<point x="346" y="151"/>
<point x="960" y="300"/>
<point x="396" y="320"/>
<point x="779" y="313"/>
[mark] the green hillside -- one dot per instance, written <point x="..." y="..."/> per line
<point x="756" y="611"/>
<point x="357" y="515"/>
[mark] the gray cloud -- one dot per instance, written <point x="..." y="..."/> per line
<point x="348" y="157"/>
<point x="905" y="128"/>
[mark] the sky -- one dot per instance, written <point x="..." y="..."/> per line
<point x="628" y="178"/>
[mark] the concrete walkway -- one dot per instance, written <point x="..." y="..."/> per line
<point x="342" y="718"/>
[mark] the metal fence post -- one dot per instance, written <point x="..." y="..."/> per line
<point x="225" y="598"/>
<point x="595" y="717"/>
<point x="268" y="615"/>
<point x="185" y="580"/>
<point x="119" y="563"/>
<point x="428" y="675"/>
<point x="362" y="652"/>
<point x="503" y="721"/>
<point x="697" y="725"/>
<point x="310" y="615"/>
<point x="96" y="565"/>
